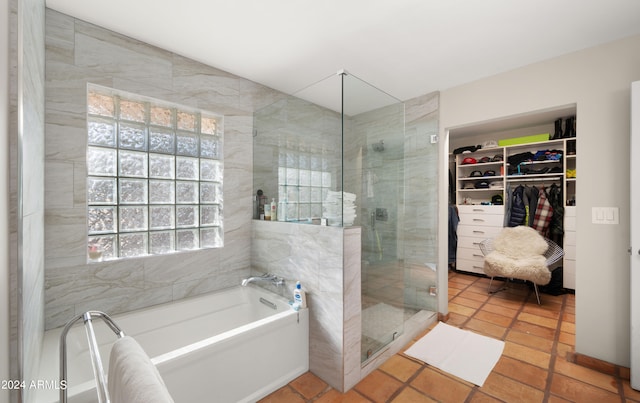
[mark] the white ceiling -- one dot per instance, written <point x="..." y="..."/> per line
<point x="406" y="48"/>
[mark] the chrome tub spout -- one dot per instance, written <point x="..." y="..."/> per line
<point x="275" y="280"/>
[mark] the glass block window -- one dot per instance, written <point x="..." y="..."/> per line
<point x="154" y="176"/>
<point x="303" y="183"/>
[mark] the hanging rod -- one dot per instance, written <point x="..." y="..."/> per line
<point x="538" y="179"/>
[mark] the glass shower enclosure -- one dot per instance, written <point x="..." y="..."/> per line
<point x="342" y="160"/>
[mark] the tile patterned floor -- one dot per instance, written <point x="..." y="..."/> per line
<point x="535" y="365"/>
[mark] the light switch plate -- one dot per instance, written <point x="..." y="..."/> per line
<point x="605" y="215"/>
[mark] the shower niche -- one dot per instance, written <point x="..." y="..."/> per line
<point x="335" y="153"/>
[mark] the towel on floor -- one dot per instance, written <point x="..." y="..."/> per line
<point x="132" y="376"/>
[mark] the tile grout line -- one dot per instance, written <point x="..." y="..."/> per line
<point x="476" y="388"/>
<point x="504" y="334"/>
<point x="407" y="383"/>
<point x="515" y="318"/>
<point x="520" y="309"/>
<point x="318" y="396"/>
<point x="554" y="350"/>
<point x="424" y="365"/>
<point x="475" y="309"/>
<point x="485" y="302"/>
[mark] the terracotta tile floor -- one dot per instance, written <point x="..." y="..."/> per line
<point x="533" y="366"/>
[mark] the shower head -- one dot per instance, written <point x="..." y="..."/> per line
<point x="378" y="147"/>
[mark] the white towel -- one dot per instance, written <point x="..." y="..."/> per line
<point x="132" y="376"/>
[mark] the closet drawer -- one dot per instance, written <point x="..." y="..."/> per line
<point x="569" y="223"/>
<point x="570" y="218"/>
<point x="569" y="274"/>
<point x="470" y="242"/>
<point x="474" y="254"/>
<point x="480" y="209"/>
<point x="570" y="252"/>
<point x="481" y="232"/>
<point x="477" y="223"/>
<point x="469" y="266"/>
<point x="482" y="220"/>
<point x="569" y="262"/>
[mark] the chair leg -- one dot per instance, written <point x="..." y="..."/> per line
<point x="489" y="288"/>
<point x="535" y="287"/>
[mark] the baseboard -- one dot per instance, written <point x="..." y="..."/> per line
<point x="599" y="365"/>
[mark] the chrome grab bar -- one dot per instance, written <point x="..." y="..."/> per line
<point x="96" y="361"/>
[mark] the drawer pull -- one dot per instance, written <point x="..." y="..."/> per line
<point x="478" y="232"/>
<point x="478" y="267"/>
<point x="477" y="243"/>
<point x="476" y="255"/>
<point x="478" y="219"/>
<point x="478" y="209"/>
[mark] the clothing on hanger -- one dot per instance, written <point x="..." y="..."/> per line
<point x="518" y="209"/>
<point x="544" y="213"/>
<point x="556" y="227"/>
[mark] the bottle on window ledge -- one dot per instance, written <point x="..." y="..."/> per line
<point x="95" y="254"/>
<point x="274" y="210"/>
<point x="282" y="211"/>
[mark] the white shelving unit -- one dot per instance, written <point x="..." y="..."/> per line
<point x="534" y="172"/>
<point x="477" y="183"/>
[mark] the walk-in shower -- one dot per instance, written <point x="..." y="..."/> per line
<point x="341" y="140"/>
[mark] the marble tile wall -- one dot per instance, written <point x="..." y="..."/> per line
<point x="14" y="134"/>
<point x="13" y="187"/>
<point x="26" y="154"/>
<point x="299" y="130"/>
<point x="352" y="291"/>
<point x="376" y="177"/>
<point x="326" y="261"/>
<point x="78" y="53"/>
<point x="420" y="205"/>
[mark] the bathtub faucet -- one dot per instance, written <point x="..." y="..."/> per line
<point x="275" y="280"/>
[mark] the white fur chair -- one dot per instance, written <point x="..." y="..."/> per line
<point x="520" y="253"/>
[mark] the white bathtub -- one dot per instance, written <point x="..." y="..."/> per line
<point x="229" y="346"/>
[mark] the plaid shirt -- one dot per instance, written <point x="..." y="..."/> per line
<point x="543" y="215"/>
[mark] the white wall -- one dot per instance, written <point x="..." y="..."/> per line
<point x="4" y="198"/>
<point x="598" y="81"/>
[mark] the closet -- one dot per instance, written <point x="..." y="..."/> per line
<point x="525" y="158"/>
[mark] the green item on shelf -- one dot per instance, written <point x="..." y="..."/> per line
<point x="524" y="140"/>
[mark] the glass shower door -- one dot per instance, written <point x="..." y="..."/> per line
<point x="383" y="308"/>
<point x="373" y="138"/>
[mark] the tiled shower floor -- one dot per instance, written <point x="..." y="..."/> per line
<point x="383" y="304"/>
<point x="534" y="367"/>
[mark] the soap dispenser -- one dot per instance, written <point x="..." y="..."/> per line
<point x="299" y="297"/>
